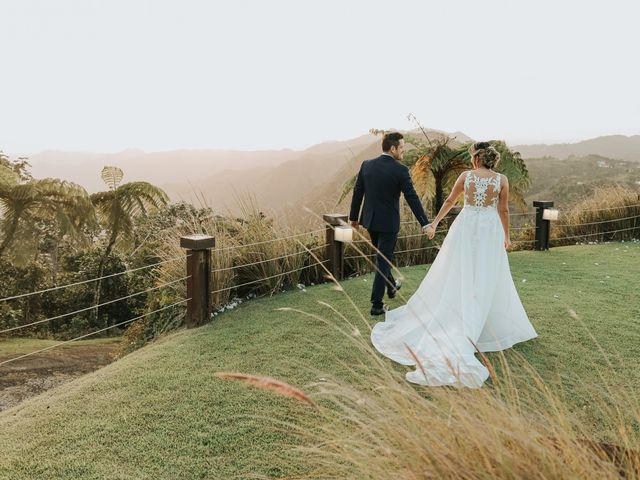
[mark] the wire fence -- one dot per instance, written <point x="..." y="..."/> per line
<point x="84" y="282"/>
<point x="268" y="278"/>
<point x="120" y="324"/>
<point x="273" y="240"/>
<point x="301" y="252"/>
<point x="518" y="214"/>
<point x="597" y="223"/>
<point x="606" y="232"/>
<point x="319" y="263"/>
<point x="518" y="243"/>
<point x="237" y="267"/>
<point x="92" y="307"/>
<point x="620" y="207"/>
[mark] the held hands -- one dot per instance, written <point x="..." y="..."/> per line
<point x="355" y="225"/>
<point x="430" y="230"/>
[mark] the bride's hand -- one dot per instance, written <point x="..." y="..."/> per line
<point x="507" y="244"/>
<point x="430" y="230"/>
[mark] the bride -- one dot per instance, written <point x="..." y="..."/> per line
<point x="468" y="296"/>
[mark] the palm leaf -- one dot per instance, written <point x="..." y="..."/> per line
<point x="112" y="176"/>
<point x="137" y="198"/>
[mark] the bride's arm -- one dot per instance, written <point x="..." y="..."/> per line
<point x="503" y="209"/>
<point x="457" y="189"/>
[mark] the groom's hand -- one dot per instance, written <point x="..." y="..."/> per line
<point x="355" y="225"/>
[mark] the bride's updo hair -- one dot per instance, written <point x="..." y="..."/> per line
<point x="486" y="153"/>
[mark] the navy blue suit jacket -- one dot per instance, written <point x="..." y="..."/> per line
<point x="380" y="182"/>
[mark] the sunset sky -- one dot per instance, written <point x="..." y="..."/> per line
<point x="158" y="75"/>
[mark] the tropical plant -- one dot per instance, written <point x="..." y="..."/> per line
<point x="436" y="166"/>
<point x="117" y="208"/>
<point x="25" y="201"/>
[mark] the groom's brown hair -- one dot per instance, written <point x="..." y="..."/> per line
<point x="391" y="140"/>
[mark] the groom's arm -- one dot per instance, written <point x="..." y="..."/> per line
<point x="412" y="198"/>
<point x="356" y="200"/>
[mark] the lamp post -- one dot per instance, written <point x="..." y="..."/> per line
<point x="543" y="223"/>
<point x="199" y="277"/>
<point x="336" y="226"/>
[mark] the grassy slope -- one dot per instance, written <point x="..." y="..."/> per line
<point x="160" y="413"/>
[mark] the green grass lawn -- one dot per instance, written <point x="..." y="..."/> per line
<point x="161" y="413"/>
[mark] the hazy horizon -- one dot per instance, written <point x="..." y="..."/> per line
<point x="283" y="149"/>
<point x="103" y="77"/>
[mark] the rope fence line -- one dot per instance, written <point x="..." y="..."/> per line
<point x="621" y="207"/>
<point x="360" y="256"/>
<point x="417" y="249"/>
<point x="267" y="241"/>
<point x="93" y="306"/>
<point x="395" y="253"/>
<point x="595" y="234"/>
<point x="422" y="234"/>
<point x="521" y="214"/>
<point x="269" y="259"/>
<point x="92" y="333"/>
<point x="523" y="228"/>
<point x="405" y="222"/>
<point x="269" y="278"/>
<point x="596" y="223"/>
<point x="52" y="289"/>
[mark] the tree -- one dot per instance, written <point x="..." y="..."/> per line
<point x="117" y="208"/>
<point x="24" y="201"/>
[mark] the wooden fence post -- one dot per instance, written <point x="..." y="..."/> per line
<point x="335" y="249"/>
<point x="199" y="278"/>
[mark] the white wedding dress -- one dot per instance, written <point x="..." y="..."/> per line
<point x="467" y="296"/>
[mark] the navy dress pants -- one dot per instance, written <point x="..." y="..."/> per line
<point x="385" y="242"/>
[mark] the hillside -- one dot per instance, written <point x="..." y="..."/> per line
<point x="274" y="188"/>
<point x="155" y="167"/>
<point x="218" y="178"/>
<point x="575" y="178"/>
<point x="160" y="413"/>
<point x="619" y="147"/>
<point x="282" y="183"/>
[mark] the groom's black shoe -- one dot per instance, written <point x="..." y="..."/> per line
<point x="379" y="310"/>
<point x="392" y="293"/>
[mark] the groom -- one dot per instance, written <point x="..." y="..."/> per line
<point x="380" y="182"/>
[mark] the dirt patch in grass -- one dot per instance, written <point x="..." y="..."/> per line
<point x="33" y="375"/>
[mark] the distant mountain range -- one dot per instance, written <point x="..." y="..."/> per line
<point x="619" y="147"/>
<point x="283" y="182"/>
<point x="312" y="180"/>
<point x="157" y="168"/>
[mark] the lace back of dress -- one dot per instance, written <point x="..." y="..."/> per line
<point x="481" y="191"/>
